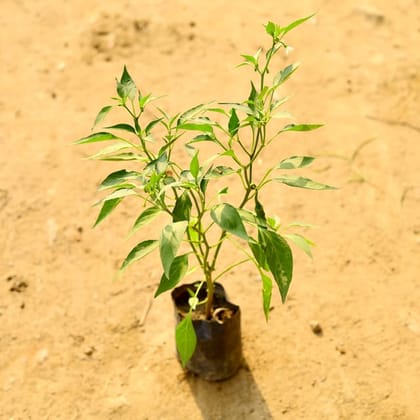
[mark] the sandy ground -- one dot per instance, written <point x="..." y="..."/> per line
<point x="77" y="344"/>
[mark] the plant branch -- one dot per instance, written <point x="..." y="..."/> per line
<point x="230" y="267"/>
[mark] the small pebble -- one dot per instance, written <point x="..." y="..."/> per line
<point x="89" y="351"/>
<point x="41" y="356"/>
<point x="316" y="327"/>
<point x="18" y="285"/>
<point x="340" y="348"/>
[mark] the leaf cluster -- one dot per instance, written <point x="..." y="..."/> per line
<point x="197" y="218"/>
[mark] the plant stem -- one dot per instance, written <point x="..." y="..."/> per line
<point x="210" y="295"/>
<point x="227" y="269"/>
<point x="258" y="143"/>
<point x="195" y="250"/>
<point x="223" y="234"/>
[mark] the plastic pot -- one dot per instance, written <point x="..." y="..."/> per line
<point x="218" y="354"/>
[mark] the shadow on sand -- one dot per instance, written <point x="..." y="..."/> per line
<point x="235" y="398"/>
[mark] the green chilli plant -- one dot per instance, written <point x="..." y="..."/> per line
<point x="192" y="193"/>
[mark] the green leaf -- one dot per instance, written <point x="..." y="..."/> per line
<point x="300" y="182"/>
<point x="284" y="74"/>
<point x="301" y="224"/>
<point x="218" y="172"/>
<point x="120" y="193"/>
<point x="303" y="243"/>
<point x="145" y="217"/>
<point x="125" y="127"/>
<point x="123" y="157"/>
<point x="95" y="137"/>
<point x="106" y="151"/>
<point x="295" y="162"/>
<point x="191" y="113"/>
<point x="239" y="107"/>
<point x="126" y="88"/>
<point x="258" y="253"/>
<point x="257" y="54"/>
<point x="252" y="97"/>
<point x="101" y="115"/>
<point x="170" y="240"/>
<point x="267" y="288"/>
<point x="270" y="28"/>
<point x="276" y="31"/>
<point x="248" y="217"/>
<point x="298" y="22"/>
<point x="279" y="259"/>
<point x="177" y="272"/>
<point x="159" y="165"/>
<point x="259" y="211"/>
<point x="195" y="165"/>
<point x="107" y="207"/>
<point x="249" y="59"/>
<point x="144" y="100"/>
<point x="233" y="122"/>
<point x="151" y="125"/>
<point x="186" y="339"/>
<point x="228" y="218"/>
<point x="182" y="208"/>
<point x="117" y="178"/>
<point x="273" y="222"/>
<point x="301" y="127"/>
<point x="218" y="110"/>
<point x="197" y="125"/>
<point x="276" y="103"/>
<point x="139" y="251"/>
<point x="229" y="153"/>
<point x="125" y="77"/>
<point x="203" y="184"/>
<point x="192" y="231"/>
<point x="202" y="137"/>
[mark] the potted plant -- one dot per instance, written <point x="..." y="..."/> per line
<point x="194" y="203"/>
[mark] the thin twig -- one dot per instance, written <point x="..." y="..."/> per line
<point x="146" y="311"/>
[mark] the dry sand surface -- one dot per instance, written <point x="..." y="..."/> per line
<point x="77" y="344"/>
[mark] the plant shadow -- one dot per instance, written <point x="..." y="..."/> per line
<point x="236" y="398"/>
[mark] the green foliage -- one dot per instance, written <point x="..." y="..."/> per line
<point x="95" y="137"/>
<point x="200" y="215"/>
<point x="295" y="162"/>
<point x="300" y="182"/>
<point x="186" y="339"/>
<point x="139" y="251"/>
<point x="170" y="240"/>
<point x="146" y="216"/>
<point x="182" y="208"/>
<point x="303" y="243"/>
<point x="279" y="259"/>
<point x="300" y="127"/>
<point x="177" y="271"/>
<point x="229" y="220"/>
<point x="120" y="179"/>
<point x="267" y="289"/>
<point x="101" y="115"/>
<point x="107" y="207"/>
